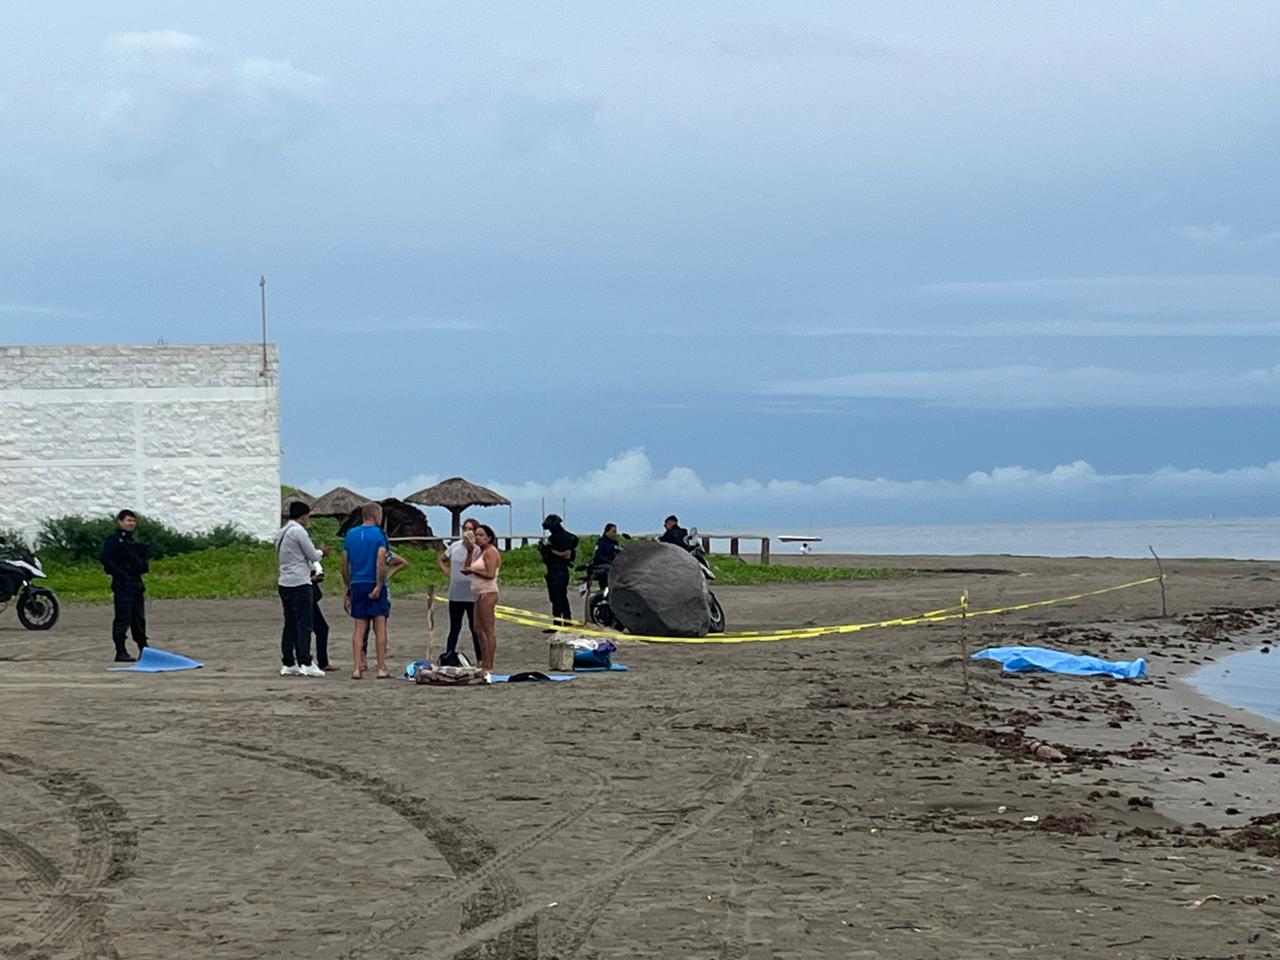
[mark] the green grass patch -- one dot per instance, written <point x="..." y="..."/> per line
<point x="249" y="570"/>
<point x="734" y="570"/>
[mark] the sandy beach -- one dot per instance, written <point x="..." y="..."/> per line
<point x="840" y="797"/>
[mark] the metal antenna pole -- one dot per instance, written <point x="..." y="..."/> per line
<point x="262" y="283"/>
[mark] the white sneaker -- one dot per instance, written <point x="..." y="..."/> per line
<point x="290" y="672"/>
<point x="310" y="670"/>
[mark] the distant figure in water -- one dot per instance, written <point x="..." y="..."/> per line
<point x="804" y="547"/>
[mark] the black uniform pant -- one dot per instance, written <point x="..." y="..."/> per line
<point x="320" y="627"/>
<point x="130" y="615"/>
<point x="459" y="609"/>
<point x="558" y="592"/>
<point x="295" y="639"/>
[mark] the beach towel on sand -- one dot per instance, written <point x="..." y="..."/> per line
<point x="160" y="661"/>
<point x="449" y="676"/>
<point x="1018" y="659"/>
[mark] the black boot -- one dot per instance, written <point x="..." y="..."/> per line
<point x="122" y="656"/>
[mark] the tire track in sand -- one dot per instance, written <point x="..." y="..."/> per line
<point x="483" y="886"/>
<point x="721" y="792"/>
<point x="567" y="941"/>
<point x="71" y="909"/>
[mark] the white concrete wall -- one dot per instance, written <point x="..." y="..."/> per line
<point x="187" y="434"/>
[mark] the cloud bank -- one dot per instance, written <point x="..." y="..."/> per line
<point x="169" y="97"/>
<point x="1037" y="387"/>
<point x="629" y="490"/>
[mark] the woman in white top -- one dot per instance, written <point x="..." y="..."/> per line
<point x="483" y="570"/>
<point x="462" y="601"/>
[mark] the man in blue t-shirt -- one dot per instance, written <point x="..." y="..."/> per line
<point x="364" y="572"/>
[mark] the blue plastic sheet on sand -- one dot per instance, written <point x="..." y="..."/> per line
<point x="1017" y="659"/>
<point x="160" y="661"/>
<point x="614" y="667"/>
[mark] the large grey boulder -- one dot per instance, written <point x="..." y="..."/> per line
<point x="658" y="589"/>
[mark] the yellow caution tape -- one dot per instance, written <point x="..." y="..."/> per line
<point x="530" y="618"/>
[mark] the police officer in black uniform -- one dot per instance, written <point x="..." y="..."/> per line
<point x="126" y="561"/>
<point x="557" y="550"/>
<point x="674" y="533"/>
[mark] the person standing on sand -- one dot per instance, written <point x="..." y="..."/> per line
<point x="483" y="570"/>
<point x="295" y="557"/>
<point x="557" y="550"/>
<point x="126" y="561"/>
<point x="319" y="625"/>
<point x="395" y="563"/>
<point x="364" y="574"/>
<point x="462" y="601"/>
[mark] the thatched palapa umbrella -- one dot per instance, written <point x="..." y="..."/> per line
<point x="338" y="502"/>
<point x="456" y="495"/>
<point x="298" y="496"/>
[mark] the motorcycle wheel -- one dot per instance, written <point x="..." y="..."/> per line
<point x="601" y="615"/>
<point x="717" y="613"/>
<point x="38" y="609"/>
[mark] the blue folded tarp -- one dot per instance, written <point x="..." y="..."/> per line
<point x="1017" y="659"/>
<point x="160" y="661"/>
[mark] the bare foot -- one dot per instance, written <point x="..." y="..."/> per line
<point x="384" y="675"/>
<point x="357" y="675"/>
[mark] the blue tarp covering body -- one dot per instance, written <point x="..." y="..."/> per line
<point x="160" y="661"/>
<point x="1017" y="659"/>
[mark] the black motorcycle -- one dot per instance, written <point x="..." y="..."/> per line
<point x="599" y="612"/>
<point x="595" y="588"/>
<point x="714" y="610"/>
<point x="37" y="606"/>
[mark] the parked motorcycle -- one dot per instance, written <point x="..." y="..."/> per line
<point x="37" y="606"/>
<point x="716" y="612"/>
<point x="595" y="590"/>
<point x="597" y="599"/>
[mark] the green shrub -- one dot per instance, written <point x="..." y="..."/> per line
<point x="14" y="539"/>
<point x="80" y="539"/>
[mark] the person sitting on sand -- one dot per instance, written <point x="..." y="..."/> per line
<point x="483" y="571"/>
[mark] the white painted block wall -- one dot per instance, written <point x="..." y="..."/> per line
<point x="188" y="434"/>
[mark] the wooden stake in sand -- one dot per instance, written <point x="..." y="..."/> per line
<point x="431" y="619"/>
<point x="964" y="639"/>
<point x="1164" y="608"/>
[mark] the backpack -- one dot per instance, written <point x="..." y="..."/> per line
<point x="452" y="658"/>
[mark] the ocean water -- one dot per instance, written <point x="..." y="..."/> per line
<point x="1247" y="538"/>
<point x="1250" y="679"/>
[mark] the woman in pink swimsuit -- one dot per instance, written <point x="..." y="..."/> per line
<point x="483" y="570"/>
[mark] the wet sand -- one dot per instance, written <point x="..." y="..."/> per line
<point x="840" y="797"/>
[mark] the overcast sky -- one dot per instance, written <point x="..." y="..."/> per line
<point x="803" y="264"/>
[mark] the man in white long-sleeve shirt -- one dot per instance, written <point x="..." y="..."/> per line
<point x="296" y="553"/>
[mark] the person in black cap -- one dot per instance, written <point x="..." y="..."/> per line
<point x="557" y="549"/>
<point x="126" y="561"/>
<point x="674" y="533"/>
